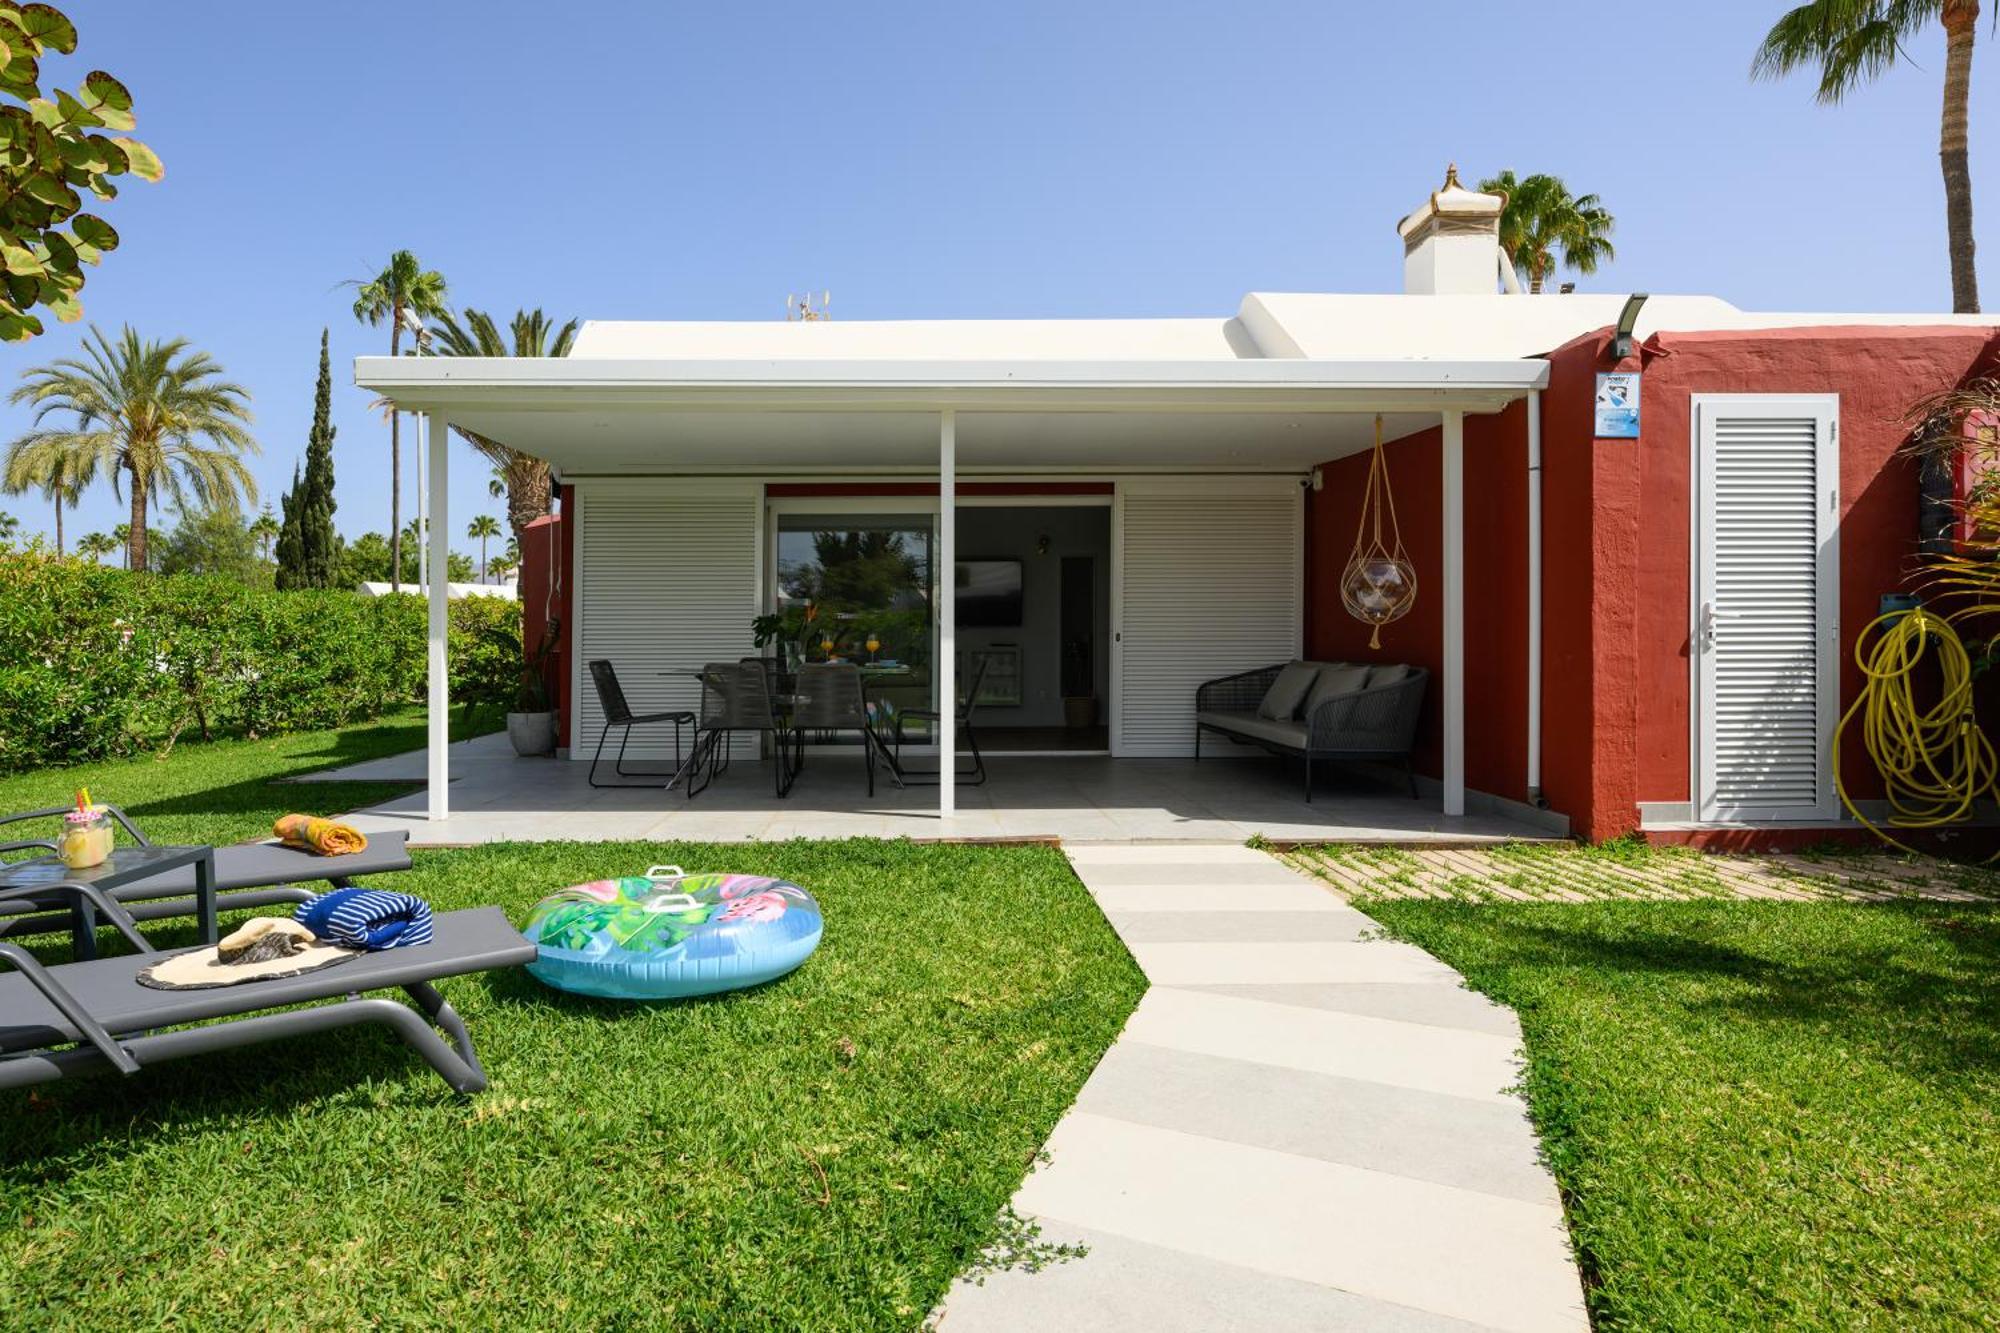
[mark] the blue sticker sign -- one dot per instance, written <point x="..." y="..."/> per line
<point x="1618" y="405"/>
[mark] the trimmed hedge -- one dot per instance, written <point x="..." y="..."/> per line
<point x="96" y="662"/>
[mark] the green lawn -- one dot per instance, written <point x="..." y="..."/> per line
<point x="825" y="1152"/>
<point x="222" y="791"/>
<point x="1762" y="1115"/>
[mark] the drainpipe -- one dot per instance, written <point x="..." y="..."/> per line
<point x="1535" y="797"/>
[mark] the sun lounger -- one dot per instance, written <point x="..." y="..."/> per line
<point x="75" y="1018"/>
<point x="257" y="874"/>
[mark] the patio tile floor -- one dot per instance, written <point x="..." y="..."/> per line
<point x="1312" y="1134"/>
<point x="497" y="797"/>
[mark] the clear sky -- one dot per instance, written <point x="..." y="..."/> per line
<point x="642" y="160"/>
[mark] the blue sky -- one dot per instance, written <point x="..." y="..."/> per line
<point x="679" y="161"/>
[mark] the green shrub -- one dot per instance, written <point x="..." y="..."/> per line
<point x="96" y="662"/>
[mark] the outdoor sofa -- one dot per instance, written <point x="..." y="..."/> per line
<point x="1318" y="711"/>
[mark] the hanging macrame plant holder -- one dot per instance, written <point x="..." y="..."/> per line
<point x="1379" y="584"/>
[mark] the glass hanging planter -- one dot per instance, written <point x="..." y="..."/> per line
<point x="1379" y="584"/>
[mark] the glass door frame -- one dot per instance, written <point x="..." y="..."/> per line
<point x="860" y="506"/>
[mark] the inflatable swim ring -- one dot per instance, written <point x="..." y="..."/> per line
<point x="668" y="934"/>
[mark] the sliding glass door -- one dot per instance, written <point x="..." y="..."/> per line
<point x="857" y="587"/>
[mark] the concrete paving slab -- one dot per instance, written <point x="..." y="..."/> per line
<point x="1452" y="1252"/>
<point x="1299" y="896"/>
<point x="1239" y="927"/>
<point x="1211" y="964"/>
<point x="1468" y="1143"/>
<point x="1127" y="1286"/>
<point x="1427" y="1003"/>
<point x="1405" y="1055"/>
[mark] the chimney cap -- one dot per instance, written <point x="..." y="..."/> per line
<point x="1454" y="203"/>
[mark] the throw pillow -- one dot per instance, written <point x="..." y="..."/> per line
<point x="1281" y="702"/>
<point x="1341" y="680"/>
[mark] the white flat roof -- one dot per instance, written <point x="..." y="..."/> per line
<point x="1289" y="380"/>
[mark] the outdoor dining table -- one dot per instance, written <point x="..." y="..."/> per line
<point x="872" y="677"/>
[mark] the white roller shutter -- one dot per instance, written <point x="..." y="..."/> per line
<point x="666" y="575"/>
<point x="1767" y="629"/>
<point x="1210" y="574"/>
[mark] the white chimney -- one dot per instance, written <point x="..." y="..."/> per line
<point x="1451" y="246"/>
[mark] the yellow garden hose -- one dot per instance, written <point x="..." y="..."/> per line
<point x="1935" y="762"/>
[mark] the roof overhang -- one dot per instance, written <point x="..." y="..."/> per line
<point x="624" y="416"/>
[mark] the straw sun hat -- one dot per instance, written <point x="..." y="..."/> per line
<point x="260" y="950"/>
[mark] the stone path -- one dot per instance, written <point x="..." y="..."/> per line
<point x="1566" y="873"/>
<point x="1300" y="1128"/>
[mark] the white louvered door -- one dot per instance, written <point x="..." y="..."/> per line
<point x="1766" y="627"/>
<point x="1209" y="576"/>
<point x="666" y="576"/>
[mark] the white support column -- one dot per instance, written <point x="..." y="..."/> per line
<point x="1453" y="683"/>
<point x="437" y="765"/>
<point x="1534" y="595"/>
<point x="947" y="613"/>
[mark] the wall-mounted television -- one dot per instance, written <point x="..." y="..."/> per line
<point x="989" y="593"/>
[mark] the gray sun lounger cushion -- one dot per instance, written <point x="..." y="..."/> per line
<point x="258" y="865"/>
<point x="477" y="939"/>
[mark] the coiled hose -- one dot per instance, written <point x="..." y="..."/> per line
<point x="1935" y="762"/>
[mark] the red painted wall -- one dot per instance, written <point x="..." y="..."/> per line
<point x="544" y="585"/>
<point x="1617" y="521"/>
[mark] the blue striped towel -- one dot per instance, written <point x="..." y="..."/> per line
<point x="367" y="918"/>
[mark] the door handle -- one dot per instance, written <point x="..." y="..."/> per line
<point x="1706" y="626"/>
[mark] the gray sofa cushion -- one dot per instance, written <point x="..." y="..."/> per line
<point x="1286" y="733"/>
<point x="1281" y="702"/>
<point x="1388" y="675"/>
<point x="1336" y="681"/>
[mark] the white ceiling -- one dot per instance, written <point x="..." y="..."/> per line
<point x="596" y="442"/>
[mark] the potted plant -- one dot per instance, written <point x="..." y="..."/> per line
<point x="531" y="726"/>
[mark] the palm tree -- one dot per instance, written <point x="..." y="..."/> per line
<point x="1543" y="220"/>
<point x="94" y="546"/>
<point x="479" y="530"/>
<point x="501" y="568"/>
<point x="122" y="534"/>
<point x="404" y="285"/>
<point x="265" y="531"/>
<point x="1852" y="41"/>
<point x="159" y="415"/>
<point x="524" y="478"/>
<point x="61" y="476"/>
<point x="9" y="525"/>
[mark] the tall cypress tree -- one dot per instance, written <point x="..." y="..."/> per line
<point x="290" y="549"/>
<point x="308" y="550"/>
<point x="319" y="547"/>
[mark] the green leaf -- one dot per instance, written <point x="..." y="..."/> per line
<point x="19" y="259"/>
<point x="22" y="290"/>
<point x="65" y="307"/>
<point x="145" y="163"/>
<point x="75" y="113"/>
<point x="115" y="161"/>
<point x="94" y="231"/>
<point x="22" y="78"/>
<point x="108" y="98"/>
<point x="62" y="255"/>
<point x="16" y="327"/>
<point x="49" y="26"/>
<point x="46" y="187"/>
<point x="45" y="112"/>
<point x="103" y="188"/>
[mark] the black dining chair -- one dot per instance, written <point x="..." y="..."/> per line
<point x="831" y="700"/>
<point x="618" y="713"/>
<point x="968" y="708"/>
<point x="737" y="696"/>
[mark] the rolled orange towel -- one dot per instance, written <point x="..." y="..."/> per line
<point x="314" y="834"/>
